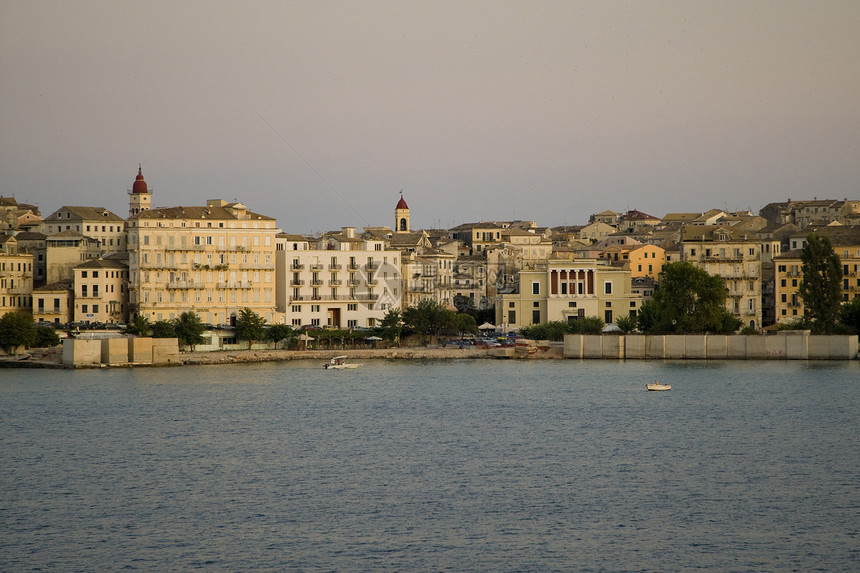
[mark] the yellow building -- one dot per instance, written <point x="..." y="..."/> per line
<point x="569" y="290"/>
<point x="736" y="258"/>
<point x="16" y="281"/>
<point x="52" y="303"/>
<point x="101" y="295"/>
<point x="213" y="260"/>
<point x="644" y="260"/>
<point x="95" y="222"/>
<point x="788" y="269"/>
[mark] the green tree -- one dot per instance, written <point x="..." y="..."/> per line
<point x="139" y="325"/>
<point x="189" y="329"/>
<point x="821" y="286"/>
<point x="46" y="336"/>
<point x="250" y="326"/>
<point x="586" y="325"/>
<point x="17" y="329"/>
<point x="465" y="323"/>
<point x="689" y="301"/>
<point x="429" y="318"/>
<point x="627" y="323"/>
<point x="163" y="329"/>
<point x="391" y="326"/>
<point x="849" y="314"/>
<point x="278" y="332"/>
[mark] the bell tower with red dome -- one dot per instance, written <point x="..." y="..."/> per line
<point x="401" y="216"/>
<point x="139" y="196"/>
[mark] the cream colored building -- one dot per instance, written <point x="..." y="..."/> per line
<point x="52" y="303"/>
<point x="569" y="289"/>
<point x="339" y="280"/>
<point x="736" y="258"/>
<point x="428" y="276"/>
<point x="66" y="250"/>
<point x="16" y="280"/>
<point x="213" y="260"/>
<point x="101" y="292"/>
<point x="788" y="269"/>
<point x="94" y="222"/>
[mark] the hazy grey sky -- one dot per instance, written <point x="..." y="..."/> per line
<point x="318" y="113"/>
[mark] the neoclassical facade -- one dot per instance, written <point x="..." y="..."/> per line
<point x="569" y="289"/>
<point x="213" y="260"/>
<point x="338" y="280"/>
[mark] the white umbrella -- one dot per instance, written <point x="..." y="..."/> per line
<point x="487" y="326"/>
<point x="305" y="337"/>
<point x="611" y="328"/>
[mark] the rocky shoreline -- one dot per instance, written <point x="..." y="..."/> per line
<point x="54" y="359"/>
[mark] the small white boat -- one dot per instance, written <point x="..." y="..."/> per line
<point x="657" y="387"/>
<point x="340" y="363"/>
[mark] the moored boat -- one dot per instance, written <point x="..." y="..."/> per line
<point x="657" y="387"/>
<point x="340" y="363"/>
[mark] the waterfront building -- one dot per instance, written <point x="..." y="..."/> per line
<point x="339" y="280"/>
<point x="428" y="276"/>
<point x="97" y="223"/>
<point x="101" y="291"/>
<point x="733" y="256"/>
<point x="789" y="269"/>
<point x="66" y="250"/>
<point x="37" y="245"/>
<point x="566" y="290"/>
<point x="213" y="260"/>
<point x="16" y="277"/>
<point x="52" y="303"/>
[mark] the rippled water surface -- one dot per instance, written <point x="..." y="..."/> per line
<point x="432" y="466"/>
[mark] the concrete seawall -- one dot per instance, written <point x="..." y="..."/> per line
<point x="706" y="346"/>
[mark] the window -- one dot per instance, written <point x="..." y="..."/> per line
<point x="535" y="317"/>
<point x="535" y="287"/>
<point x="607" y="289"/>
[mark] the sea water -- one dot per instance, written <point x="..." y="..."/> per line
<point x="463" y="465"/>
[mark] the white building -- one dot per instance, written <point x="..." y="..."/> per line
<point x="338" y="280"/>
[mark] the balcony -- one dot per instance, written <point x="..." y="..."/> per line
<point x="372" y="281"/>
<point x="317" y="267"/>
<point x="334" y="282"/>
<point x="297" y="266"/>
<point x="372" y="266"/>
<point x="794" y="273"/>
<point x="353" y="282"/>
<point x="235" y="285"/>
<point x="183" y="284"/>
<point x="317" y="282"/>
<point x="297" y="282"/>
<point x="353" y="266"/>
<point x="334" y="267"/>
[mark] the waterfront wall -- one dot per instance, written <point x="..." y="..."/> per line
<point x="119" y="351"/>
<point x="714" y="347"/>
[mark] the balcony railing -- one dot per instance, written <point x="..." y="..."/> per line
<point x="184" y="284"/>
<point x="235" y="285"/>
<point x="297" y="282"/>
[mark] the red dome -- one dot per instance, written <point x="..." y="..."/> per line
<point x="139" y="184"/>
<point x="402" y="204"/>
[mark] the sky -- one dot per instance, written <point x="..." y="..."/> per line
<point x="319" y="113"/>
